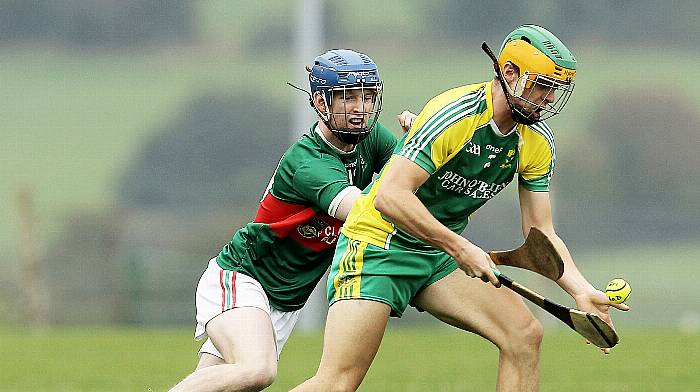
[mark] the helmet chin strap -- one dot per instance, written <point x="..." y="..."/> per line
<point x="518" y="115"/>
<point x="515" y="114"/>
<point x="346" y="135"/>
<point x="349" y="137"/>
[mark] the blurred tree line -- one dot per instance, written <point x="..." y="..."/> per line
<point x="90" y="23"/>
<point x="669" y="24"/>
<point x="97" y="23"/>
<point x="634" y="177"/>
<point x="219" y="151"/>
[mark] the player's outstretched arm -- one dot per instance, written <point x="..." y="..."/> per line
<point x="397" y="201"/>
<point x="536" y="211"/>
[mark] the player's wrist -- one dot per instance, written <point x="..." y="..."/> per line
<point x="575" y="284"/>
<point x="588" y="295"/>
<point x="459" y="247"/>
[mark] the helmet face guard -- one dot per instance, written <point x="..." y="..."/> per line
<point x="534" y="92"/>
<point x="352" y="91"/>
<point x="546" y="73"/>
<point x="352" y="112"/>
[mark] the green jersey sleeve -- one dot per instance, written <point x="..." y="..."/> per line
<point x="385" y="142"/>
<point x="321" y="180"/>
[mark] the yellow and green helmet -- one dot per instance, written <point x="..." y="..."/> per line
<point x="543" y="60"/>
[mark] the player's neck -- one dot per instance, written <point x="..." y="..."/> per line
<point x="502" y="115"/>
<point x="330" y="137"/>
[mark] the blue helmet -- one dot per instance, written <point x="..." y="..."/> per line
<point x="333" y="74"/>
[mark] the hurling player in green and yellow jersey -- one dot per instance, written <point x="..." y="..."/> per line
<point x="249" y="297"/>
<point x="401" y="242"/>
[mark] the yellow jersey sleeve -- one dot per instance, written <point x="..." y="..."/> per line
<point x="444" y="125"/>
<point x="537" y="157"/>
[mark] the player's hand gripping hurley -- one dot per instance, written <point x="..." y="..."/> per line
<point x="538" y="254"/>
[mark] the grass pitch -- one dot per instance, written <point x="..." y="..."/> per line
<point x="426" y="359"/>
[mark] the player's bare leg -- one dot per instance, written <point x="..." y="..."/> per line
<point x="206" y="360"/>
<point x="354" y="331"/>
<point x="244" y="337"/>
<point x="498" y="315"/>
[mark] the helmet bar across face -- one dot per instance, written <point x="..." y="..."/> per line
<point x="327" y="79"/>
<point x="339" y="117"/>
<point x="524" y="91"/>
<point x="532" y="89"/>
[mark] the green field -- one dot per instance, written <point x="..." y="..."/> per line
<point x="441" y="359"/>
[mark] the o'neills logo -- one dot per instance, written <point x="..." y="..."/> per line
<point x="473" y="188"/>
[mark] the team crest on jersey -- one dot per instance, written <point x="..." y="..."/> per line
<point x="509" y="158"/>
<point x="307" y="230"/>
<point x="311" y="229"/>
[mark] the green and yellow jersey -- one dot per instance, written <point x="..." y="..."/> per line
<point x="289" y="245"/>
<point x="456" y="140"/>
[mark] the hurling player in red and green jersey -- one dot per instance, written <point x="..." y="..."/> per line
<point x="250" y="295"/>
<point x="401" y="243"/>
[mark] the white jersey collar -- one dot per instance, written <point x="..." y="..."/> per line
<point x="498" y="132"/>
<point x="336" y="149"/>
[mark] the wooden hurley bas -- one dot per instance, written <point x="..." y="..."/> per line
<point x="538" y="254"/>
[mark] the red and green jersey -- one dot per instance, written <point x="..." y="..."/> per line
<point x="290" y="244"/>
<point x="456" y="141"/>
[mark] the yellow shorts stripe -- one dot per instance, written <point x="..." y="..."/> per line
<point x="348" y="280"/>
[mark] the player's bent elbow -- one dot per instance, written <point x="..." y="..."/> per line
<point x="262" y="377"/>
<point x="382" y="202"/>
<point x="254" y="376"/>
<point x="391" y="200"/>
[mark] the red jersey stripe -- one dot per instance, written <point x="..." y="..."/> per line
<point x="233" y="290"/>
<point x="223" y="290"/>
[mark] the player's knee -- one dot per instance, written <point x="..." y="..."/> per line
<point x="344" y="381"/>
<point x="533" y="333"/>
<point x="343" y="386"/>
<point x="260" y="376"/>
<point x="526" y="337"/>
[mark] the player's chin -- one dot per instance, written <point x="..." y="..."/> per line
<point x="533" y="115"/>
<point x="528" y="112"/>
